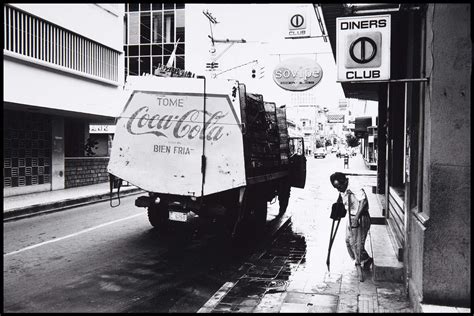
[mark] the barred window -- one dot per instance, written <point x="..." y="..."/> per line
<point x="36" y="38"/>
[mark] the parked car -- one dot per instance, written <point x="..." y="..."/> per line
<point x="333" y="150"/>
<point x="320" y="152"/>
<point x="342" y="152"/>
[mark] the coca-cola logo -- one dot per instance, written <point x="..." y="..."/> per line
<point x="189" y="124"/>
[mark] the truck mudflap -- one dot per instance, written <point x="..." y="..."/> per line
<point x="114" y="183"/>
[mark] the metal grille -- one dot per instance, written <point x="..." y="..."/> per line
<point x="26" y="149"/>
<point x="36" y="38"/>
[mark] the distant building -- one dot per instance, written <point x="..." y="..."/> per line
<point x="151" y="32"/>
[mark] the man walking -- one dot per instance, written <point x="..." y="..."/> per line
<point x="358" y="223"/>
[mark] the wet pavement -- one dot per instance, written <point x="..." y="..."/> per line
<point x="290" y="274"/>
<point x="283" y="279"/>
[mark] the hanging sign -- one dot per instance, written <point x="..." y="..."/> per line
<point x="363" y="48"/>
<point x="297" y="74"/>
<point x="101" y="129"/>
<point x="298" y="24"/>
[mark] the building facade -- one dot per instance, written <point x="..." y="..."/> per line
<point x="62" y="82"/>
<point x="423" y="143"/>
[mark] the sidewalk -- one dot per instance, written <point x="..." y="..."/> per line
<point x="290" y="275"/>
<point x="19" y="206"/>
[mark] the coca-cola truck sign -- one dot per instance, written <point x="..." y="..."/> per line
<point x="169" y="131"/>
<point x="190" y="124"/>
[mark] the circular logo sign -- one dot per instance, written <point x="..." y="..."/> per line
<point x="363" y="50"/>
<point x="297" y="20"/>
<point x="297" y="74"/>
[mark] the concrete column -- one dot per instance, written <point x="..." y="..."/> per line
<point x="57" y="157"/>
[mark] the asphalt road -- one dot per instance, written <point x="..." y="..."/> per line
<point x="101" y="259"/>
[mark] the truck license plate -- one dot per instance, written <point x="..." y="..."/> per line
<point x="178" y="216"/>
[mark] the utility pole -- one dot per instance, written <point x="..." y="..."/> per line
<point x="213" y="65"/>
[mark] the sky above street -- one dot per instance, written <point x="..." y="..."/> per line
<point x="264" y="28"/>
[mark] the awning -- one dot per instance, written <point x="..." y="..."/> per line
<point x="361" y="124"/>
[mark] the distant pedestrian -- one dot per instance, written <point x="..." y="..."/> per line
<point x="358" y="222"/>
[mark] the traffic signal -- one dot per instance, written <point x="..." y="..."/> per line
<point x="212" y="65"/>
<point x="253" y="73"/>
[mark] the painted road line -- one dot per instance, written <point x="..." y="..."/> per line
<point x="69" y="236"/>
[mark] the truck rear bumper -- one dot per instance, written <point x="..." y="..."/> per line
<point x="146" y="201"/>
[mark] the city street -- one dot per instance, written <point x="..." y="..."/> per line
<point x="147" y="154"/>
<point x="102" y="259"/>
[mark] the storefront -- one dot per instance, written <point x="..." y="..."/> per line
<point x="423" y="106"/>
<point x="87" y="151"/>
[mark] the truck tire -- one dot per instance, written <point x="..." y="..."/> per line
<point x="256" y="215"/>
<point x="158" y="217"/>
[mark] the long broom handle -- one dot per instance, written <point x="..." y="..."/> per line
<point x="331" y="240"/>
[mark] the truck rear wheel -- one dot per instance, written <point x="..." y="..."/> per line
<point x="158" y="216"/>
<point x="255" y="215"/>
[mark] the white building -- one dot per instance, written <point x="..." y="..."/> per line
<point x="63" y="77"/>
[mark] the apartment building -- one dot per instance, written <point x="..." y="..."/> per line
<point x="63" y="78"/>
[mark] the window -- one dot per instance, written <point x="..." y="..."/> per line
<point x="180" y="49"/>
<point x="133" y="66"/>
<point x="125" y="29"/>
<point x="145" y="50"/>
<point x="133" y="28"/>
<point x="157" y="50"/>
<point x="169" y="27"/>
<point x="168" y="49"/>
<point x="133" y="50"/>
<point x="144" y="65"/>
<point x="145" y="28"/>
<point x="133" y="7"/>
<point x="157" y="27"/>
<point x="179" y="62"/>
<point x="144" y="7"/>
<point x="180" y="25"/>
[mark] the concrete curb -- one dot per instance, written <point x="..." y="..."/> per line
<point x="45" y="208"/>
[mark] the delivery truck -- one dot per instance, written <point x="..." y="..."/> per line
<point x="205" y="148"/>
